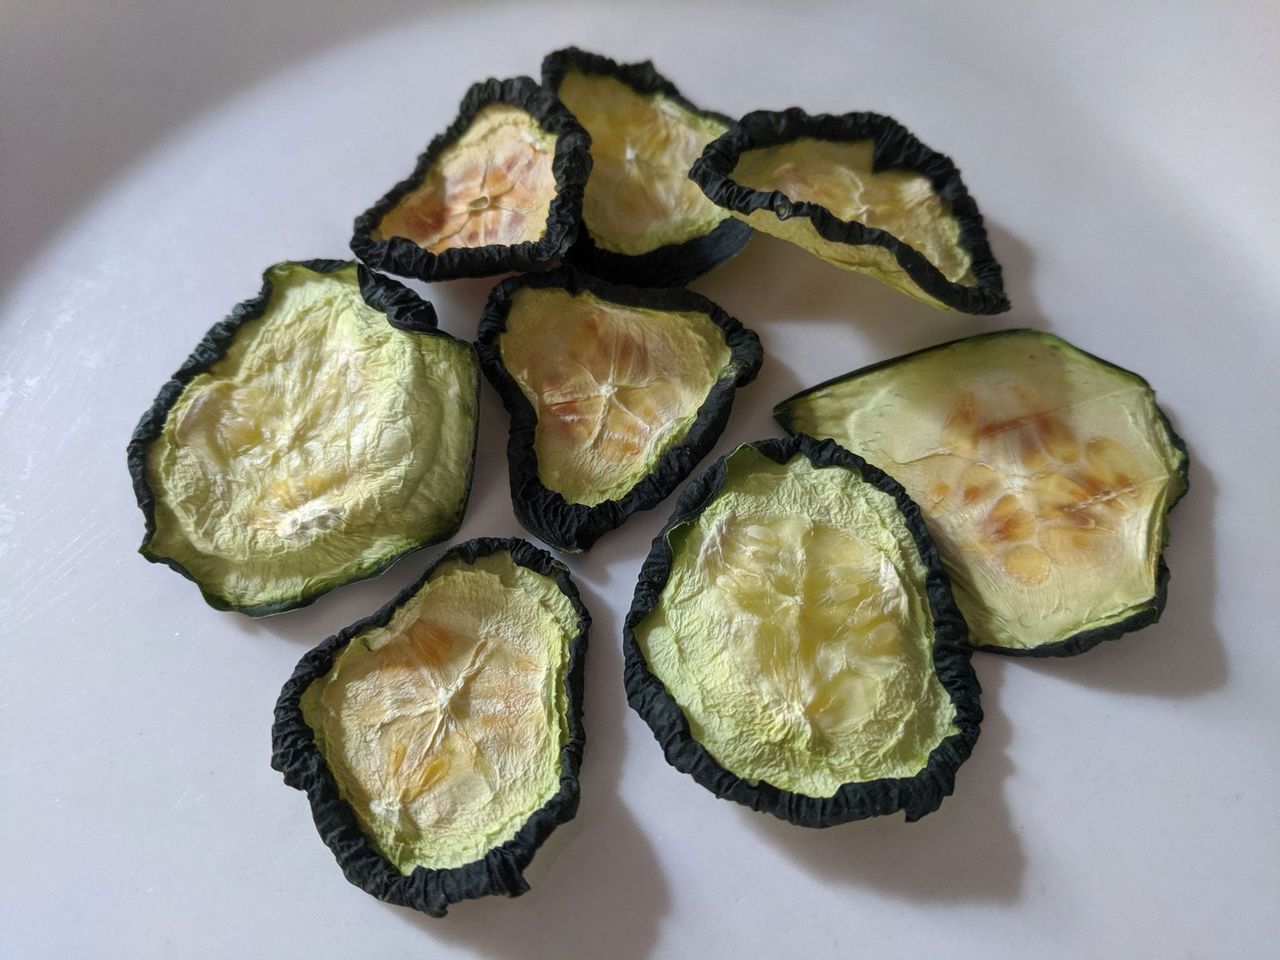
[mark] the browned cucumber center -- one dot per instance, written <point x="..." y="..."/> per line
<point x="614" y="386"/>
<point x="1045" y="475"/>
<point x="444" y="728"/>
<point x="494" y="185"/>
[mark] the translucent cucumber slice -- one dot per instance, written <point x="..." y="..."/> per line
<point x="1045" y="474"/>
<point x="500" y="190"/>
<point x="646" y="222"/>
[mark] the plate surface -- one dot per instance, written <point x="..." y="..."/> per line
<point x="156" y="158"/>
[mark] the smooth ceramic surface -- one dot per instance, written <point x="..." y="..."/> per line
<point x="155" y="158"/>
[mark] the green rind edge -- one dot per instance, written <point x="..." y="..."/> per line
<point x="500" y="871"/>
<point x="574" y="527"/>
<point x="895" y="148"/>
<point x="918" y="795"/>
<point x="1149" y="612"/>
<point x="404" y="310"/>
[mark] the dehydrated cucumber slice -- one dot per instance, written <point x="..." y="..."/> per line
<point x="862" y="193"/>
<point x="1045" y="474"/>
<point x="439" y="740"/>
<point x="500" y="190"/>
<point x="793" y="643"/>
<point x="614" y="392"/>
<point x="319" y="433"/>
<point x="646" y="223"/>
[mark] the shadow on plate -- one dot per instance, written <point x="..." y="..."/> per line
<point x="597" y="889"/>
<point x="966" y="851"/>
<point x="789" y="286"/>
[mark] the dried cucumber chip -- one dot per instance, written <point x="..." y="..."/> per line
<point x="793" y="643"/>
<point x="1045" y="474"/>
<point x="500" y="190"/>
<point x="322" y="431"/>
<point x="439" y="739"/>
<point x="861" y="192"/>
<point x="646" y="222"/>
<point x="614" y="392"/>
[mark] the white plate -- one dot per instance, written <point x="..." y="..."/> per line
<point x="157" y="157"/>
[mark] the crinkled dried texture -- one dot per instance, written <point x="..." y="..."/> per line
<point x="639" y="196"/>
<point x="841" y="178"/>
<point x="615" y="392"/>
<point x="1045" y="476"/>
<point x="795" y="632"/>
<point x="500" y="190"/>
<point x="828" y="572"/>
<point x="325" y="443"/>
<point x="494" y="185"/>
<point x="861" y="191"/>
<point x="614" y="386"/>
<point x="444" y="728"/>
<point x="486" y="716"/>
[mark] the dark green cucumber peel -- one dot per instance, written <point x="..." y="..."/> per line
<point x="404" y="309"/>
<point x="501" y="871"/>
<point x="570" y="165"/>
<point x="895" y="148"/>
<point x="574" y="527"/>
<point x="916" y="796"/>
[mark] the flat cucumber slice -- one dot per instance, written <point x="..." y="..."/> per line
<point x="793" y="643"/>
<point x="322" y="431"/>
<point x="500" y="190"/>
<point x="645" y="222"/>
<point x="615" y="393"/>
<point x="439" y="740"/>
<point x="1045" y="474"/>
